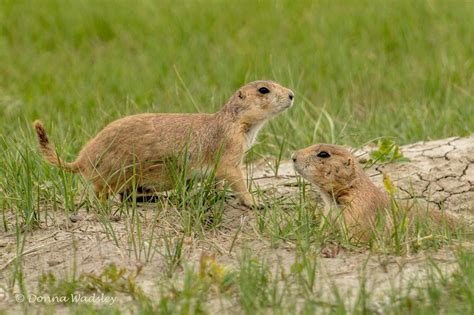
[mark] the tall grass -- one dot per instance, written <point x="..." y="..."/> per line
<point x="392" y="68"/>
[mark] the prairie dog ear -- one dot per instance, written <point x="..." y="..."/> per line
<point x="349" y="162"/>
<point x="241" y="94"/>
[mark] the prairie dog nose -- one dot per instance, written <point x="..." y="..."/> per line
<point x="291" y="95"/>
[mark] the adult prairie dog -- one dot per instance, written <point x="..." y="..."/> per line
<point x="141" y="146"/>
<point x="341" y="181"/>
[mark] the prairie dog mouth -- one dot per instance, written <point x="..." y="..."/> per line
<point x="287" y="105"/>
<point x="297" y="169"/>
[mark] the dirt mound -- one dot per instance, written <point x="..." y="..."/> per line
<point x="440" y="172"/>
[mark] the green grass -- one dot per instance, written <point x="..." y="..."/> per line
<point x="261" y="290"/>
<point x="360" y="70"/>
<point x="391" y="68"/>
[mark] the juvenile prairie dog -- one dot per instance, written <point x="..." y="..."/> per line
<point x="341" y="180"/>
<point x="142" y="146"/>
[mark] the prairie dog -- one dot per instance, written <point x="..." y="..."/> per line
<point x="140" y="146"/>
<point x="341" y="180"/>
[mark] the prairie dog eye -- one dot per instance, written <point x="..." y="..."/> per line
<point x="263" y="90"/>
<point x="323" y="154"/>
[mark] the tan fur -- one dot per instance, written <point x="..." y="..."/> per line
<point x="48" y="152"/>
<point x="145" y="144"/>
<point x="342" y="181"/>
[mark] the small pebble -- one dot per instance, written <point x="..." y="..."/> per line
<point x="54" y="262"/>
<point x="74" y="218"/>
<point x="115" y="218"/>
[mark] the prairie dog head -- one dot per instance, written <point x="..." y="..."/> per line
<point x="330" y="167"/>
<point x="260" y="100"/>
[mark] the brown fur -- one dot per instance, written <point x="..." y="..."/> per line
<point x="143" y="144"/>
<point x="48" y="152"/>
<point x="342" y="181"/>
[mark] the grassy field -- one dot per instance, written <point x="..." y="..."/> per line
<point x="360" y="70"/>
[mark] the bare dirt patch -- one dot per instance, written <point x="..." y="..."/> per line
<point x="440" y="172"/>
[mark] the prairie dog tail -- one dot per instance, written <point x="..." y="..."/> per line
<point x="48" y="152"/>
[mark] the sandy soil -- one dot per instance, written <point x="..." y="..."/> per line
<point x="441" y="172"/>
